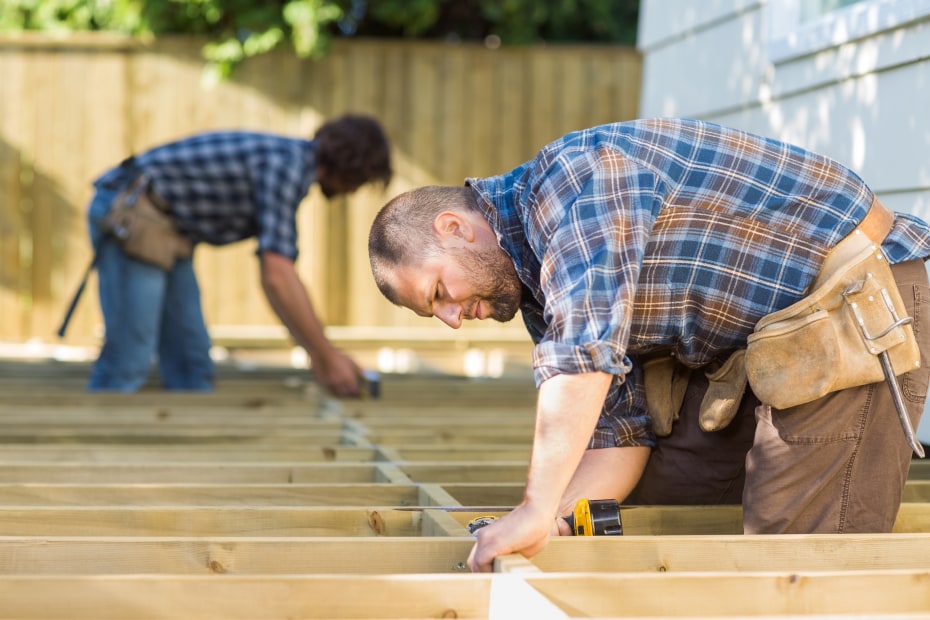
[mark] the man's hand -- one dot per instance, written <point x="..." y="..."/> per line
<point x="566" y="413"/>
<point x="525" y="530"/>
<point x="291" y="302"/>
<point x="338" y="373"/>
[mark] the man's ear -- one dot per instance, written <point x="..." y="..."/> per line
<point x="450" y="224"/>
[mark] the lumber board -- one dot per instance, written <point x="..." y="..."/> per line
<point x="465" y="471"/>
<point x="137" y="495"/>
<point x="78" y="412"/>
<point x="377" y="411"/>
<point x="193" y="597"/>
<point x="447" y="554"/>
<point x="486" y="493"/>
<point x="191" y="472"/>
<point x="916" y="491"/>
<point x="233" y="452"/>
<point x="920" y="470"/>
<point x="193" y="520"/>
<point x="270" y="499"/>
<point x="742" y="594"/>
<point x="452" y="436"/>
<point x="46" y="394"/>
<point x="258" y="555"/>
<point x="735" y="553"/>
<point x="472" y="452"/>
<point x="700" y="595"/>
<point x="206" y="434"/>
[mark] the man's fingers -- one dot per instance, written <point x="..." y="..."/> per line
<point x="477" y="566"/>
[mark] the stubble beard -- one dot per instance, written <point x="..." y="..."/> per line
<point x="495" y="280"/>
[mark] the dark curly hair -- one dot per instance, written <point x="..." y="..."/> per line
<point x="356" y="149"/>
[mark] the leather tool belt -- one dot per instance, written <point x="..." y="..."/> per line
<point x="139" y="222"/>
<point x="833" y="338"/>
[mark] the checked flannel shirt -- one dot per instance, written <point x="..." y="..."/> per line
<point x="226" y="186"/>
<point x="667" y="235"/>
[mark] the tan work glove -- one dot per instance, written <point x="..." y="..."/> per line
<point x="725" y="390"/>
<point x="665" y="382"/>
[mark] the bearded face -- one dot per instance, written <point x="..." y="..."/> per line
<point x="493" y="277"/>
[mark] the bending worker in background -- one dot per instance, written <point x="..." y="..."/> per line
<point x="642" y="256"/>
<point x="219" y="188"/>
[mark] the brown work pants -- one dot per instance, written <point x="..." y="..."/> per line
<point x="835" y="465"/>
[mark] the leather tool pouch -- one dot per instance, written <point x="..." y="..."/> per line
<point x="831" y="339"/>
<point x="144" y="231"/>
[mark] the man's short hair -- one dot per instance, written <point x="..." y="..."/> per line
<point x="355" y="148"/>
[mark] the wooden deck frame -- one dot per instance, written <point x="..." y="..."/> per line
<point x="446" y="553"/>
<point x="874" y="594"/>
<point x="272" y="501"/>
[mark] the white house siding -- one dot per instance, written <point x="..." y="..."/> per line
<point x="854" y="85"/>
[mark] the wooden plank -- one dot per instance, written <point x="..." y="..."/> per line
<point x="230" y="451"/>
<point x="207" y="434"/>
<point x="486" y="493"/>
<point x="920" y="470"/>
<point x="734" y="553"/>
<point x="913" y="517"/>
<point x="446" y="554"/>
<point x="137" y="495"/>
<point x="189" y="473"/>
<point x="191" y="520"/>
<point x="440" y="523"/>
<point x="917" y="491"/>
<point x="261" y="555"/>
<point x="145" y="597"/>
<point x="465" y="472"/>
<point x="713" y="594"/>
<point x="232" y="520"/>
<point x="878" y="594"/>
<point x="519" y="452"/>
<point x="453" y="436"/>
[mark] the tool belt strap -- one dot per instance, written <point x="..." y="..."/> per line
<point x="142" y="184"/>
<point x="873" y="228"/>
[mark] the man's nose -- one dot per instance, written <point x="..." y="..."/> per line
<point x="450" y="314"/>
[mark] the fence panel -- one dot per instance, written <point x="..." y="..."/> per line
<point x="71" y="107"/>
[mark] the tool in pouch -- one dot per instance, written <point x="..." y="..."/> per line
<point x="595" y="517"/>
<point x="852" y="330"/>
<point x="143" y="230"/>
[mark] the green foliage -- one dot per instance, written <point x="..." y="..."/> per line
<point x="514" y="22"/>
<point x="238" y="29"/>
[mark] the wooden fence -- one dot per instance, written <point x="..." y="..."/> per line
<point x="71" y="107"/>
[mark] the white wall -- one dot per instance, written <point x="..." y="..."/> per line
<point x="854" y="85"/>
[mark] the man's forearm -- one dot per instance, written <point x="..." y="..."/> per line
<point x="566" y="415"/>
<point x="608" y="473"/>
<point x="291" y="303"/>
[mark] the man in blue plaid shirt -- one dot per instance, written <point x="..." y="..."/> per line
<point x="219" y="188"/>
<point x="653" y="239"/>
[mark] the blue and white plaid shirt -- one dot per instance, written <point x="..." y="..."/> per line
<point x="226" y="186"/>
<point x="667" y="235"/>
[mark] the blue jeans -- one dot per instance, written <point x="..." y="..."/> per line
<point x="148" y="315"/>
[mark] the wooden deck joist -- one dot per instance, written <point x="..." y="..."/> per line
<point x="268" y="499"/>
<point x="873" y="594"/>
<point x="283" y="555"/>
